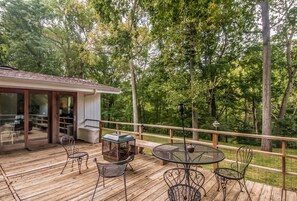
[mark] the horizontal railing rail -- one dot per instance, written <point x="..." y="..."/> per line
<point x="168" y="134"/>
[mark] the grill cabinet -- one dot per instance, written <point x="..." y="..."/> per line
<point x="117" y="147"/>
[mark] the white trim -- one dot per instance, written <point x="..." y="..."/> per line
<point x="47" y="85"/>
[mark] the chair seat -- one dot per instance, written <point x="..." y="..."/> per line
<point x="228" y="173"/>
<point x="78" y="155"/>
<point x="183" y="192"/>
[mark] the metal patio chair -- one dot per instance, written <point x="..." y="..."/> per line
<point x="110" y="170"/>
<point x="73" y="153"/>
<point x="244" y="156"/>
<point x="184" y="184"/>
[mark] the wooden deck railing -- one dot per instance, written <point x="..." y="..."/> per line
<point x="169" y="135"/>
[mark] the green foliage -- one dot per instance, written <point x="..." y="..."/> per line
<point x="204" y="53"/>
<point x="22" y="30"/>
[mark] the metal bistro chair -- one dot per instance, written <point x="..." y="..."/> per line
<point x="184" y="184"/>
<point x="73" y="153"/>
<point x="110" y="170"/>
<point x="237" y="171"/>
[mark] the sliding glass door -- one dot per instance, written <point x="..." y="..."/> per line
<point x="11" y="118"/>
<point x="39" y="121"/>
<point x="66" y="113"/>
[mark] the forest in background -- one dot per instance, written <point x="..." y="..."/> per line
<point x="208" y="54"/>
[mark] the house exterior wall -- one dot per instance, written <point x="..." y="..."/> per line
<point x="80" y="109"/>
<point x="92" y="108"/>
<point x="88" y="108"/>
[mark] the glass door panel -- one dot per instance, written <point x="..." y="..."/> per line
<point x="11" y="118"/>
<point x="38" y="118"/>
<point x="66" y="115"/>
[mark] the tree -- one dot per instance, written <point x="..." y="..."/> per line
<point x="22" y="29"/>
<point x="287" y="34"/>
<point x="282" y="10"/>
<point x="70" y="26"/>
<point x="266" y="85"/>
<point x="127" y="35"/>
<point x="198" y="45"/>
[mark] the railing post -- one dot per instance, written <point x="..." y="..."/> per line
<point x="284" y="164"/>
<point x="140" y="136"/>
<point x="215" y="140"/>
<point x="101" y="124"/>
<point x="171" y="135"/>
<point x="117" y="128"/>
<point x="140" y="130"/>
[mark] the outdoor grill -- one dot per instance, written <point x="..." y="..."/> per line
<point x="117" y="147"/>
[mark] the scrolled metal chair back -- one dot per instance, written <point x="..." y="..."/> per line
<point x="68" y="144"/>
<point x="183" y="183"/>
<point x="244" y="156"/>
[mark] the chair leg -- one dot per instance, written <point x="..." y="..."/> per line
<point x="125" y="187"/>
<point x="72" y="165"/>
<point x="87" y="161"/>
<point x="79" y="161"/>
<point x="96" y="187"/>
<point x="224" y="182"/>
<point x="240" y="185"/>
<point x="64" y="166"/>
<point x="131" y="167"/>
<point x="203" y="191"/>
<point x="218" y="181"/>
<point x="246" y="189"/>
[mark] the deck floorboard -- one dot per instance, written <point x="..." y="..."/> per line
<point x="35" y="175"/>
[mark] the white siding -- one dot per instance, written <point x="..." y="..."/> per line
<point x="92" y="108"/>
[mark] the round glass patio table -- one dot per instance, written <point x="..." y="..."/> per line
<point x="175" y="153"/>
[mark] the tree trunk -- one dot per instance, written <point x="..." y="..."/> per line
<point x="212" y="104"/>
<point x="246" y="113"/>
<point x="82" y="64"/>
<point x="110" y="102"/>
<point x="266" y="145"/>
<point x="134" y="95"/>
<point x="255" y="122"/>
<point x="194" y="108"/>
<point x="291" y="74"/>
<point x="284" y="104"/>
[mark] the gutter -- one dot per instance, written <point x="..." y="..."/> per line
<point x="91" y="94"/>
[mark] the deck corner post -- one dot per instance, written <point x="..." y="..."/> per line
<point x="101" y="124"/>
<point x="283" y="143"/>
<point x="118" y="128"/>
<point x="215" y="140"/>
<point x="140" y="136"/>
<point x="140" y="131"/>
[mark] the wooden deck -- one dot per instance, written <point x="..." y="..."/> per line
<point x="35" y="175"/>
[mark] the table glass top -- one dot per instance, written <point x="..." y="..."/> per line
<point x="175" y="152"/>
